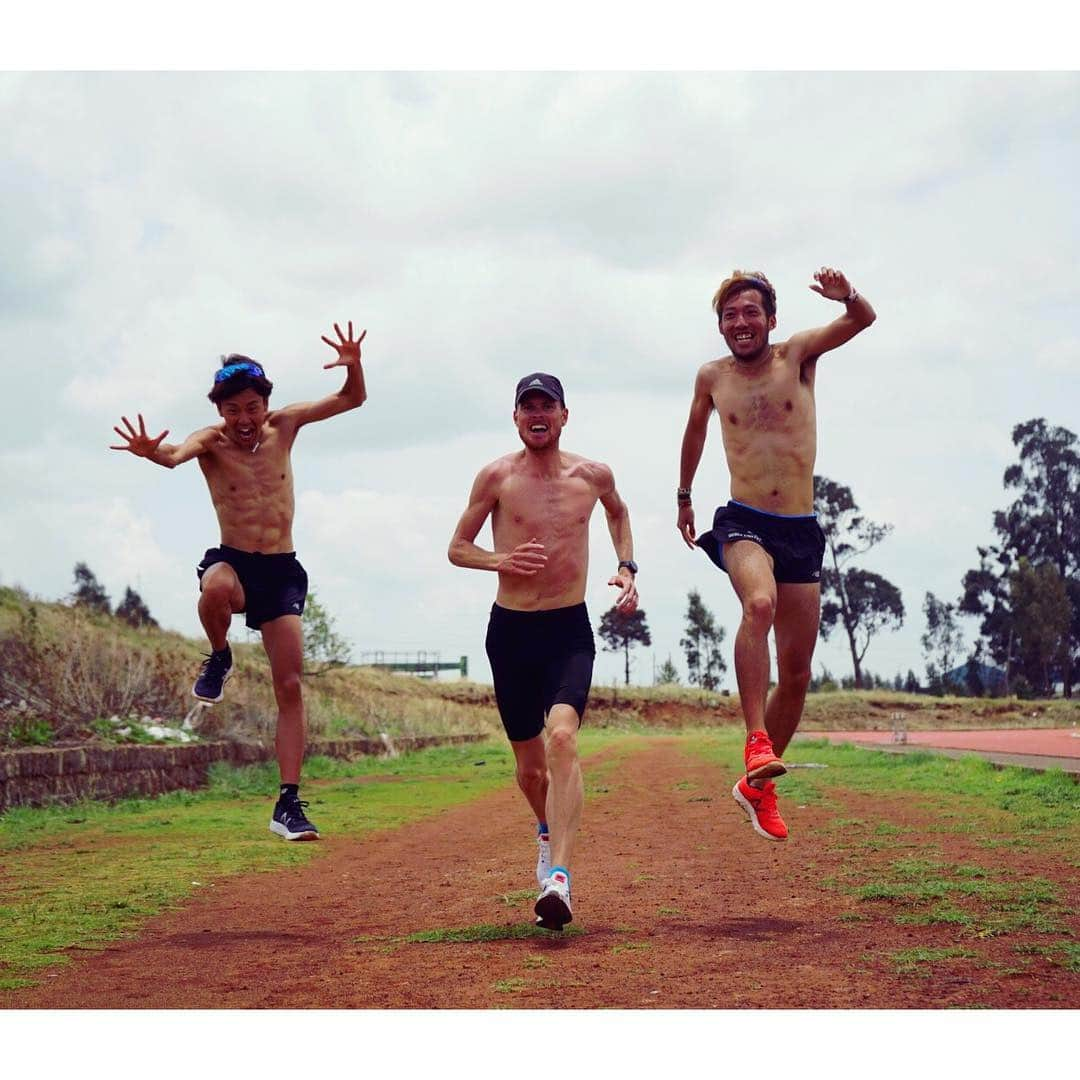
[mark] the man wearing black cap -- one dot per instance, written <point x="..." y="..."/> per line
<point x="766" y="538"/>
<point x="539" y="638"/>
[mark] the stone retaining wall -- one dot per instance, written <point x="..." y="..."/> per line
<point x="37" y="776"/>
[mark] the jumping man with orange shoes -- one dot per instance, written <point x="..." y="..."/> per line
<point x="766" y="538"/>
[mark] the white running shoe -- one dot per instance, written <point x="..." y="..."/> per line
<point x="553" y="904"/>
<point x="543" y="859"/>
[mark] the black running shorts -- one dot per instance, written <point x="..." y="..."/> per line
<point x="274" y="585"/>
<point x="795" y="541"/>
<point x="539" y="659"/>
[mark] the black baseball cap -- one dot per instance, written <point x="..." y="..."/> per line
<point x="545" y="384"/>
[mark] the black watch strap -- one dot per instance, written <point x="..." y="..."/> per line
<point x="629" y="564"/>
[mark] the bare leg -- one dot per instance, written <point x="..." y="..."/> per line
<point x="220" y="597"/>
<point x="566" y="792"/>
<point x="798" y="611"/>
<point x="532" y="773"/>
<point x="283" y="640"/>
<point x="750" y="569"/>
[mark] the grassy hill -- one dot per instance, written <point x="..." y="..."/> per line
<point x="65" y="673"/>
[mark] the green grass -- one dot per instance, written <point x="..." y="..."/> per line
<point x="920" y="961"/>
<point x="79" y="876"/>
<point x="468" y="935"/>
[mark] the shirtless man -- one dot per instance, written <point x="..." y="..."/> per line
<point x="246" y="462"/>
<point x="767" y="537"/>
<point x="539" y="638"/>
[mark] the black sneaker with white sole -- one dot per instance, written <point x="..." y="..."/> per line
<point x="213" y="675"/>
<point x="290" y="821"/>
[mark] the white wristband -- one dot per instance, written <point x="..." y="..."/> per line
<point x="851" y="297"/>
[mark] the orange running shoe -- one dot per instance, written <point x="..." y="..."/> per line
<point x="760" y="807"/>
<point x="761" y="762"/>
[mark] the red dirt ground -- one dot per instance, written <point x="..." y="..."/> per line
<point x="681" y="906"/>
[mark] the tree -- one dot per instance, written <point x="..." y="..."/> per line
<point x="1042" y="618"/>
<point x="89" y="592"/>
<point x="667" y="674"/>
<point x="911" y="683"/>
<point x="622" y="631"/>
<point x="941" y="643"/>
<point x="701" y="644"/>
<point x="1043" y="525"/>
<point x="863" y="602"/>
<point x="133" y="611"/>
<point x="324" y="648"/>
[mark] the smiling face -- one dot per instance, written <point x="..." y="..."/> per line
<point x="244" y="415"/>
<point x="539" y="420"/>
<point x="746" y="325"/>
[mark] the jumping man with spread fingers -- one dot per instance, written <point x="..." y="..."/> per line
<point x="539" y="638"/>
<point x="767" y="537"/>
<point x="246" y="462"/>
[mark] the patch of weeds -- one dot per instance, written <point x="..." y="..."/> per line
<point x="1064" y="954"/>
<point x="466" y="935"/>
<point x="852" y="917"/>
<point x="534" y="960"/>
<point x="941" y="915"/>
<point x="519" y="896"/>
<point x="641" y="879"/>
<point x="668" y="911"/>
<point x="629" y="946"/>
<point x="508" y="986"/>
<point x="919" y="961"/>
<point x="700" y="798"/>
<point x="886" y="828"/>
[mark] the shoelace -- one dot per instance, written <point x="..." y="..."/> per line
<point x="217" y="665"/>
<point x="294" y="808"/>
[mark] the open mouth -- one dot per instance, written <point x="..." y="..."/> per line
<point x="744" y="337"/>
<point x="538" y="429"/>
<point x="245" y="432"/>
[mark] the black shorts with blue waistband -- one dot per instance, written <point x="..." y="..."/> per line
<point x="795" y="541"/>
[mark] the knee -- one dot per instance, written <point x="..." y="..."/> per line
<point x="562" y="743"/>
<point x="287" y="688"/>
<point x="531" y="777"/>
<point x="759" y="610"/>
<point x="216" y="594"/>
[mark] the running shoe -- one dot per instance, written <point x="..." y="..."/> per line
<point x="213" y="675"/>
<point x="543" y="858"/>
<point x="761" y="762"/>
<point x="290" y="821"/>
<point x="553" y="904"/>
<point x="760" y="807"/>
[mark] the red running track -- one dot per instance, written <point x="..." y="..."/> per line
<point x="1045" y="748"/>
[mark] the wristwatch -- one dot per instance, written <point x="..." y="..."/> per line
<point x="629" y="564"/>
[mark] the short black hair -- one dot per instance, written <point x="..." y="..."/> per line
<point x="240" y="381"/>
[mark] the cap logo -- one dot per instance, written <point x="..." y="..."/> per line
<point x="536" y="382"/>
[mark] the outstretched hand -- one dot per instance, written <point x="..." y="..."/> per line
<point x="831" y="284"/>
<point x="348" y="350"/>
<point x="138" y="442"/>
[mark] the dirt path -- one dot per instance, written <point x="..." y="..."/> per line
<point x="680" y="905"/>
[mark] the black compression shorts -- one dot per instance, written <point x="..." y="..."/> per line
<point x="539" y="659"/>
<point x="795" y="541"/>
<point x="274" y="585"/>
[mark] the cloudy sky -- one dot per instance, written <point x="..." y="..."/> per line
<point x="483" y="226"/>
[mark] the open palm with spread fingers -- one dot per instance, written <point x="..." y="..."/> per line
<point x="348" y="350"/>
<point x="138" y="442"/>
<point x="831" y="284"/>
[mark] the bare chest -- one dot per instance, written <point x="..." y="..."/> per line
<point x="546" y="507"/>
<point x="776" y="400"/>
<point x="234" y="473"/>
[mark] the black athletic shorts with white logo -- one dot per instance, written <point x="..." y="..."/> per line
<point x="795" y="541"/>
<point x="539" y="659"/>
<point x="274" y="585"/>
